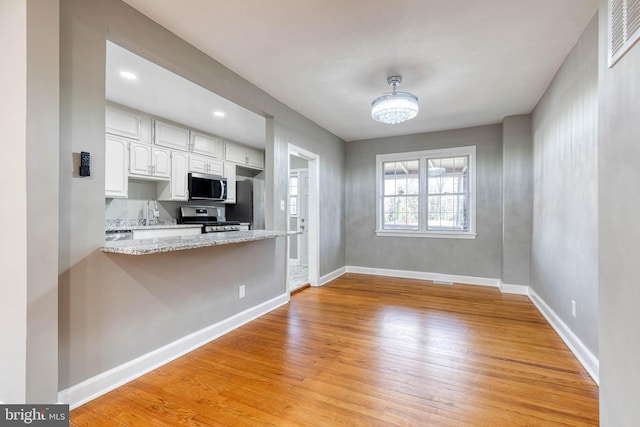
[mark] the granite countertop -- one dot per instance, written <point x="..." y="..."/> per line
<point x="126" y="224"/>
<point x="178" y="243"/>
<point x="149" y="227"/>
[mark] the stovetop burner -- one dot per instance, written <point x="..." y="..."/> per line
<point x="207" y="217"/>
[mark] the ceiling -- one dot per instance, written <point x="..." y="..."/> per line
<point x="469" y="62"/>
<point x="164" y="94"/>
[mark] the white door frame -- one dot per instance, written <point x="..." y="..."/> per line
<point x="313" y="224"/>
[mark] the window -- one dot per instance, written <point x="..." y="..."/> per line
<point x="401" y="195"/>
<point x="293" y="195"/>
<point x="427" y="193"/>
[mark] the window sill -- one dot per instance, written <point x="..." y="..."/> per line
<point x="427" y="234"/>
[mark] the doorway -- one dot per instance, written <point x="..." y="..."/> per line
<point x="302" y="217"/>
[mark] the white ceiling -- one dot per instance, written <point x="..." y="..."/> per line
<point x="164" y="94"/>
<point x="470" y="62"/>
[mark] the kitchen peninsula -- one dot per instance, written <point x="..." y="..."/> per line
<point x="177" y="243"/>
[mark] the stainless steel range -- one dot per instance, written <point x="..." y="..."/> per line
<point x="208" y="217"/>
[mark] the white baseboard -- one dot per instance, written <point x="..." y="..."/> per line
<point x="331" y="276"/>
<point x="588" y="360"/>
<point x="421" y="275"/>
<point x="100" y="384"/>
<point x="507" y="288"/>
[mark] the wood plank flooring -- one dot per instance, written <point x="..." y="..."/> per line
<point x="369" y="351"/>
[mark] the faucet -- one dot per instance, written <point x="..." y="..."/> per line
<point x="156" y="213"/>
<point x="146" y="213"/>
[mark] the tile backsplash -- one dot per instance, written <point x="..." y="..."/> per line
<point x="140" y="192"/>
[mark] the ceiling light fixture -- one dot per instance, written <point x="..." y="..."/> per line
<point x="394" y="107"/>
<point x="128" y="75"/>
<point x="218" y="113"/>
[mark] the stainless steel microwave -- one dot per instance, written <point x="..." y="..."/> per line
<point x="203" y="186"/>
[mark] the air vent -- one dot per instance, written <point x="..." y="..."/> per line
<point x="624" y="27"/>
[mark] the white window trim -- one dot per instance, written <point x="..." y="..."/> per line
<point x="422" y="156"/>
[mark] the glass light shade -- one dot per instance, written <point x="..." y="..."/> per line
<point x="394" y="107"/>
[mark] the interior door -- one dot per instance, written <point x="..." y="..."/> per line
<point x="303" y="198"/>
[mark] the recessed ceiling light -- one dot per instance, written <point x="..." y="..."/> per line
<point x="128" y="75"/>
<point x="218" y="113"/>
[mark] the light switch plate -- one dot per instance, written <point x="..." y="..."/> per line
<point x="281" y="205"/>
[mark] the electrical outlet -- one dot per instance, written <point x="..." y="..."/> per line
<point x="573" y="308"/>
<point x="241" y="291"/>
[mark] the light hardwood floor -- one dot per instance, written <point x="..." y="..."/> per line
<point x="369" y="351"/>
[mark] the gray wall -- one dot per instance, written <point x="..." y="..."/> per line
<point x="43" y="98"/>
<point x="481" y="257"/>
<point x="29" y="37"/>
<point x="114" y="308"/>
<point x="564" y="250"/>
<point x="517" y="199"/>
<point x="619" y="245"/>
<point x="332" y="191"/>
<point x="121" y="305"/>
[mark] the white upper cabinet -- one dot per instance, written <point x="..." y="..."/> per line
<point x="170" y="136"/>
<point x="206" y="145"/>
<point x="179" y="165"/>
<point x="235" y="153"/>
<point x="243" y="155"/>
<point x="203" y="164"/>
<point x="176" y="189"/>
<point x="230" y="174"/>
<point x="122" y="123"/>
<point x="149" y="162"/>
<point x="255" y="158"/>
<point x="116" y="183"/>
<point x="140" y="159"/>
<point x="161" y="163"/>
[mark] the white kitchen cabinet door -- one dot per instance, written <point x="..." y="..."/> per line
<point x="161" y="163"/>
<point x="244" y="156"/>
<point x="230" y="174"/>
<point x="198" y="164"/>
<point x="235" y="153"/>
<point x="179" y="163"/>
<point x="116" y="183"/>
<point x="255" y="158"/>
<point x="216" y="168"/>
<point x="149" y="161"/>
<point x="176" y="187"/>
<point x="122" y="123"/>
<point x="170" y="136"/>
<point x="206" y="145"/>
<point x="139" y="159"/>
<point x="205" y="165"/>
